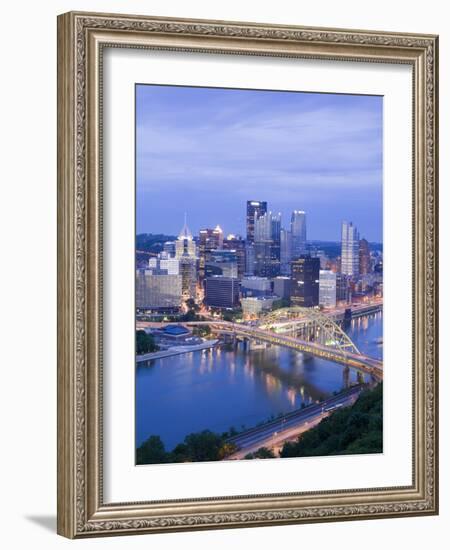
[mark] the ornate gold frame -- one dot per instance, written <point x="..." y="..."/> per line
<point x="81" y="37"/>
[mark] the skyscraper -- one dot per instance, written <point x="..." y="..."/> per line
<point x="342" y="288"/>
<point x="209" y="239"/>
<point x="349" y="250"/>
<point x="275" y="249"/>
<point x="222" y="262"/>
<point x="157" y="289"/>
<point x="249" y="258"/>
<point x="255" y="209"/>
<point x="236" y="243"/>
<point x="305" y="281"/>
<point x="222" y="292"/>
<point x="186" y="253"/>
<point x="298" y="233"/>
<point x="327" y="288"/>
<point x="267" y="245"/>
<point x="285" y="252"/>
<point x="364" y="257"/>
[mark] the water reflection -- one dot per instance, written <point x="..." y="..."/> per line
<point x="234" y="386"/>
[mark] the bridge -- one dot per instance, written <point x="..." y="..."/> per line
<point x="327" y="340"/>
<point x="309" y="324"/>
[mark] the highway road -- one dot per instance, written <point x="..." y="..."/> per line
<point x="291" y="425"/>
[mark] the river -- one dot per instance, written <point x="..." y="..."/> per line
<point x="232" y="386"/>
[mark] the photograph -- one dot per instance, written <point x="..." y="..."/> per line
<point x="258" y="274"/>
<point x="247" y="286"/>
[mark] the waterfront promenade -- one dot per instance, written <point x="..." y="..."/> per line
<point x="175" y="350"/>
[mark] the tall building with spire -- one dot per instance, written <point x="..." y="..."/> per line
<point x="186" y="253"/>
<point x="349" y="249"/>
<point x="298" y="233"/>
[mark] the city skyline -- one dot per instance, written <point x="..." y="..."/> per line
<point x="190" y="155"/>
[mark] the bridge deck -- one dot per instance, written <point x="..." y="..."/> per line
<point x="360" y="362"/>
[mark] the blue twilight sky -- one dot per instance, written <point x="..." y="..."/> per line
<point x="206" y="151"/>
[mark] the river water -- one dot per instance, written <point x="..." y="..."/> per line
<point x="233" y="386"/>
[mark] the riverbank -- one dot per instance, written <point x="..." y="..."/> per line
<point x="232" y="386"/>
<point x="175" y="350"/>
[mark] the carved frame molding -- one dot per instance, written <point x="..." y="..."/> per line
<point x="81" y="39"/>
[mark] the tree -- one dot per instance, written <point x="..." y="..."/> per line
<point x="189" y="316"/>
<point x="145" y="343"/>
<point x="232" y="315"/>
<point x="353" y="430"/>
<point x="227" y="449"/>
<point x="203" y="446"/>
<point x="262" y="452"/>
<point x="152" y="451"/>
<point x="279" y="304"/>
<point x="191" y="305"/>
<point x="202" y="331"/>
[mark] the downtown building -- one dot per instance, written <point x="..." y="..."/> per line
<point x="236" y="244"/>
<point x="327" y="288"/>
<point x="221" y="262"/>
<point x="282" y="287"/>
<point x="164" y="262"/>
<point x="267" y="232"/>
<point x="364" y="258"/>
<point x="343" y="292"/>
<point x="221" y="292"/>
<point x="159" y="287"/>
<point x="255" y="209"/>
<point x="349" y="250"/>
<point x="285" y="252"/>
<point x="186" y="254"/>
<point x="305" y="281"/>
<point x="253" y="306"/>
<point x="209" y="240"/>
<point x="298" y="234"/>
<point x="252" y="286"/>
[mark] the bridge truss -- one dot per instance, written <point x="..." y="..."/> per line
<point x="312" y="325"/>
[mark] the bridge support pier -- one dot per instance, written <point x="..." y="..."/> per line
<point x="346" y="376"/>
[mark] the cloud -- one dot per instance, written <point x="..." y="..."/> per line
<point x="254" y="141"/>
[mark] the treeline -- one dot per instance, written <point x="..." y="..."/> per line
<point x="196" y="447"/>
<point x="145" y="343"/>
<point x="354" y="430"/>
<point x="152" y="243"/>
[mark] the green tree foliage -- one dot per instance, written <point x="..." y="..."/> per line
<point x="353" y="430"/>
<point x="279" y="304"/>
<point x="232" y="315"/>
<point x="262" y="452"/>
<point x="190" y="303"/>
<point x="189" y="316"/>
<point x="202" y="331"/>
<point x="152" y="243"/>
<point x="196" y="447"/>
<point x="151" y="451"/>
<point x="145" y="343"/>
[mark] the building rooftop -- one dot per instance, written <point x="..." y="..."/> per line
<point x="175" y="330"/>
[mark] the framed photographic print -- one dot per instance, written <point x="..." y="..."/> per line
<point x="247" y="283"/>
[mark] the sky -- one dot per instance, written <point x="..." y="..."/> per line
<point x="206" y="151"/>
